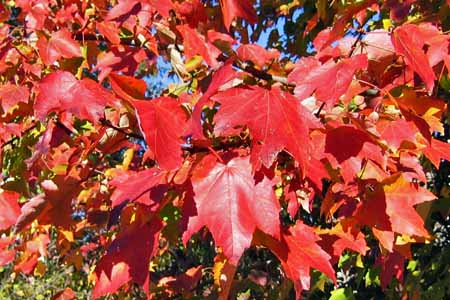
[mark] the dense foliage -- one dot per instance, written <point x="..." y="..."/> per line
<point x="231" y="149"/>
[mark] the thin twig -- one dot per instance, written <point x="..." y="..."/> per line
<point x="108" y="124"/>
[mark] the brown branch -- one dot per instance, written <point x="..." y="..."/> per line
<point x="108" y="124"/>
<point x="259" y="74"/>
<point x="83" y="37"/>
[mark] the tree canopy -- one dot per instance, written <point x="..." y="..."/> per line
<point x="230" y="149"/>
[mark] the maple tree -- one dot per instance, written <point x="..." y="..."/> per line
<point x="316" y="144"/>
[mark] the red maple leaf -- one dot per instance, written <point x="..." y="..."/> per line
<point x="232" y="205"/>
<point x="275" y="118"/>
<point x="298" y="252"/>
<point x="163" y="123"/>
<point x="413" y="53"/>
<point x="222" y="76"/>
<point x="392" y="265"/>
<point x="9" y="209"/>
<point x="436" y="151"/>
<point x="196" y="44"/>
<point x="62" y="92"/>
<point x="396" y="132"/>
<point x="329" y="81"/>
<point x="147" y="187"/>
<point x="237" y="8"/>
<point x="401" y="196"/>
<point x="127" y="258"/>
<point x="257" y="54"/>
<point x="11" y="95"/>
<point x="59" y="45"/>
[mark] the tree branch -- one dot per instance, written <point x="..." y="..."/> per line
<point x="108" y="124"/>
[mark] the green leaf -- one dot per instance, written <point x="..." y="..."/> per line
<point x="342" y="294"/>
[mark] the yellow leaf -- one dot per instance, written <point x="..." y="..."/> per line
<point x="40" y="269"/>
<point x="387" y="23"/>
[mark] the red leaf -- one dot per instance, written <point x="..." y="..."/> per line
<point x="146" y="187"/>
<point x="360" y="146"/>
<point x="392" y="265"/>
<point x="436" y="151"/>
<point x="232" y="206"/>
<point x="127" y="259"/>
<point x="183" y="282"/>
<point x="61" y="91"/>
<point x="42" y="147"/>
<point x="11" y="95"/>
<point x="401" y="196"/>
<point x="390" y="208"/>
<point x="223" y="75"/>
<point x="195" y="44"/>
<point x="30" y="211"/>
<point x="341" y="238"/>
<point x="110" y="30"/>
<point x="413" y="53"/>
<point x="329" y="81"/>
<point x="66" y="294"/>
<point x="275" y="118"/>
<point x="298" y="252"/>
<point x="9" y="209"/>
<point x="126" y="86"/>
<point x="163" y="122"/>
<point x="237" y="8"/>
<point x="257" y="54"/>
<point x="6" y="255"/>
<point x="122" y="8"/>
<point x="59" y="45"/>
<point x="395" y="132"/>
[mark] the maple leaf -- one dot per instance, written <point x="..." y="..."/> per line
<point x="163" y="122"/>
<point x="122" y="8"/>
<point x="61" y="91"/>
<point x="401" y="196"/>
<point x="59" y="45"/>
<point x="413" y="53"/>
<point x="127" y="87"/>
<point x="219" y="79"/>
<point x="183" y="282"/>
<point x="342" y="237"/>
<point x="436" y="151"/>
<point x="329" y="81"/>
<point x="377" y="44"/>
<point x="257" y="54"/>
<point x="232" y="206"/>
<point x="390" y="208"/>
<point x="196" y="44"/>
<point x="66" y="294"/>
<point x="146" y="187"/>
<point x="237" y="8"/>
<point x="349" y="153"/>
<point x="298" y="252"/>
<point x="275" y="118"/>
<point x="11" y="95"/>
<point x="42" y="147"/>
<point x="9" y="209"/>
<point x="127" y="258"/>
<point x="392" y="265"/>
<point x="395" y="132"/>
<point x="30" y="211"/>
<point x="120" y="58"/>
<point x="110" y="31"/>
<point x="6" y="255"/>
